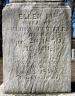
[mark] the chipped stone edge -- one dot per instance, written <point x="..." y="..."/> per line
<point x="51" y="94"/>
<point x="56" y="5"/>
<point x="15" y="1"/>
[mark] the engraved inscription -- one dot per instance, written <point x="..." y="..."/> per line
<point x="30" y="16"/>
<point x="41" y="39"/>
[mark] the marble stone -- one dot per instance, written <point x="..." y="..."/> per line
<point x="51" y="94"/>
<point x="37" y="47"/>
<point x="36" y="0"/>
<point x="73" y="54"/>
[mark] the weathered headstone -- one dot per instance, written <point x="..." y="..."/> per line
<point x="37" y="47"/>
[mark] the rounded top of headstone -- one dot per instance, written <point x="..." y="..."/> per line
<point x="35" y="0"/>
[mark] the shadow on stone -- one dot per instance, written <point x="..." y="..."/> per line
<point x="72" y="86"/>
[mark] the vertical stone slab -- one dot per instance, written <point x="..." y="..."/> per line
<point x="37" y="47"/>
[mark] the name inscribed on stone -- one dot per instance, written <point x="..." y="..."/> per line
<point x="40" y="34"/>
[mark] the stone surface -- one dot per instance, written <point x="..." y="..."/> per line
<point x="53" y="94"/>
<point x="73" y="54"/>
<point x="36" y="0"/>
<point x="37" y="47"/>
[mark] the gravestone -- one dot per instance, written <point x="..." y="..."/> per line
<point x="37" y="47"/>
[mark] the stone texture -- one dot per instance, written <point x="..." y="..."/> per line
<point x="37" y="47"/>
<point x="52" y="94"/>
<point x="36" y="0"/>
<point x="73" y="54"/>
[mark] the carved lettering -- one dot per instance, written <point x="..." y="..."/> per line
<point x="48" y="16"/>
<point x="40" y="31"/>
<point x="30" y="16"/>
